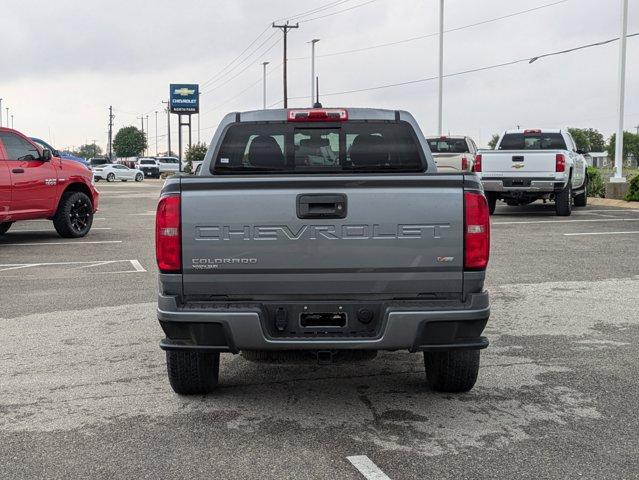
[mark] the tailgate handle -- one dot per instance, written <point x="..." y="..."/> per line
<point x="321" y="205"/>
<point x="518" y="158"/>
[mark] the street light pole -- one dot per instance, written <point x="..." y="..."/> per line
<point x="618" y="178"/>
<point x="7" y="116"/>
<point x="440" y="128"/>
<point x="147" y="134"/>
<point x="264" y="64"/>
<point x="156" y="134"/>
<point x="313" y="42"/>
<point x="12" y="121"/>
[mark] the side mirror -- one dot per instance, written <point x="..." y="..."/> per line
<point x="56" y="153"/>
<point x="581" y="152"/>
<point x="46" y="155"/>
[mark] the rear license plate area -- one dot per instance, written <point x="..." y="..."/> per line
<point x="323" y="320"/>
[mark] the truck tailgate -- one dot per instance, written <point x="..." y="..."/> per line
<point x="400" y="234"/>
<point x="519" y="161"/>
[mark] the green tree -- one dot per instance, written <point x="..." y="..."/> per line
<point x="195" y="153"/>
<point x="581" y="139"/>
<point x="596" y="140"/>
<point x="588" y="139"/>
<point x="630" y="145"/>
<point x="493" y="141"/>
<point x="88" y="150"/>
<point x="129" y="142"/>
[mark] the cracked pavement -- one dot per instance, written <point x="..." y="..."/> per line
<point x="84" y="390"/>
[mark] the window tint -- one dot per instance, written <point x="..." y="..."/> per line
<point x="315" y="148"/>
<point x="448" y="145"/>
<point x="17" y="148"/>
<point x="147" y="162"/>
<point x="532" y="141"/>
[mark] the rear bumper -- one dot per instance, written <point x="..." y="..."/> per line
<point x="427" y="326"/>
<point x="523" y="184"/>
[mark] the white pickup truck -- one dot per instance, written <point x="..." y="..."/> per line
<point x="453" y="153"/>
<point x="533" y="164"/>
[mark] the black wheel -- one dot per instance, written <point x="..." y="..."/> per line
<point x="563" y="201"/>
<point x="96" y="179"/>
<point x="581" y="199"/>
<point x="111" y="177"/>
<point x="139" y="177"/>
<point x="74" y="216"/>
<point x="4" y="227"/>
<point x="452" y="371"/>
<point x="492" y="202"/>
<point x="192" y="373"/>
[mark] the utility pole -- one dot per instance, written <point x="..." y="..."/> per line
<point x="156" y="134"/>
<point x="264" y="64"/>
<point x="441" y="68"/>
<point x="110" y="132"/>
<point x="12" y="121"/>
<point x="285" y="28"/>
<point x="618" y="178"/>
<point x="168" y="127"/>
<point x="147" y="134"/>
<point x="7" y="116"/>
<point x="313" y="42"/>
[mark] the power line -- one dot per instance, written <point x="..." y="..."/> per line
<point x="339" y="11"/>
<point x="223" y="71"/>
<point x="322" y="8"/>
<point x="228" y="100"/>
<point x="245" y="68"/>
<point x="430" y="35"/>
<point x="479" y="69"/>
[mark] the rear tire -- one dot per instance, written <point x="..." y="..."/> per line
<point x="192" y="373"/>
<point x="74" y="216"/>
<point x="492" y="202"/>
<point x="563" y="201"/>
<point x="453" y="371"/>
<point x="139" y="177"/>
<point x="581" y="199"/>
<point x="4" y="227"/>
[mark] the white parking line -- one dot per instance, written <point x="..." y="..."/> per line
<point x="137" y="266"/>
<point x="578" y="212"/>
<point x="529" y="222"/>
<point x="45" y="220"/>
<point x="50" y="230"/>
<point x="367" y="468"/>
<point x="600" y="233"/>
<point x="56" y="243"/>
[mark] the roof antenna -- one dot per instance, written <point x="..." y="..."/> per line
<point x="317" y="103"/>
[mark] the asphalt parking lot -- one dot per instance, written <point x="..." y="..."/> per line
<point x="84" y="389"/>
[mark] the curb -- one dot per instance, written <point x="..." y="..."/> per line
<point x="609" y="202"/>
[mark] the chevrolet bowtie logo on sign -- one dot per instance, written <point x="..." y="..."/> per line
<point x="184" y="98"/>
<point x="518" y="165"/>
<point x="185" y="92"/>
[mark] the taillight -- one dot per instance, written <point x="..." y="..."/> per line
<point x="560" y="162"/>
<point x="464" y="165"/>
<point x="168" y="237"/>
<point x="477" y="166"/>
<point x="318" y="115"/>
<point x="476" y="231"/>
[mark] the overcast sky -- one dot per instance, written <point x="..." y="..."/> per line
<point x="63" y="62"/>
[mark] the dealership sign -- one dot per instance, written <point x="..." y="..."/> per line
<point x="184" y="98"/>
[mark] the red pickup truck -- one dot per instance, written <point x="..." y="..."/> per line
<point x="35" y="184"/>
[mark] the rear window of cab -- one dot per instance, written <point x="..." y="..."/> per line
<point x="345" y="147"/>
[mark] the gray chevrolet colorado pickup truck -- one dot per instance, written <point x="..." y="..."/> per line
<point x="322" y="232"/>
